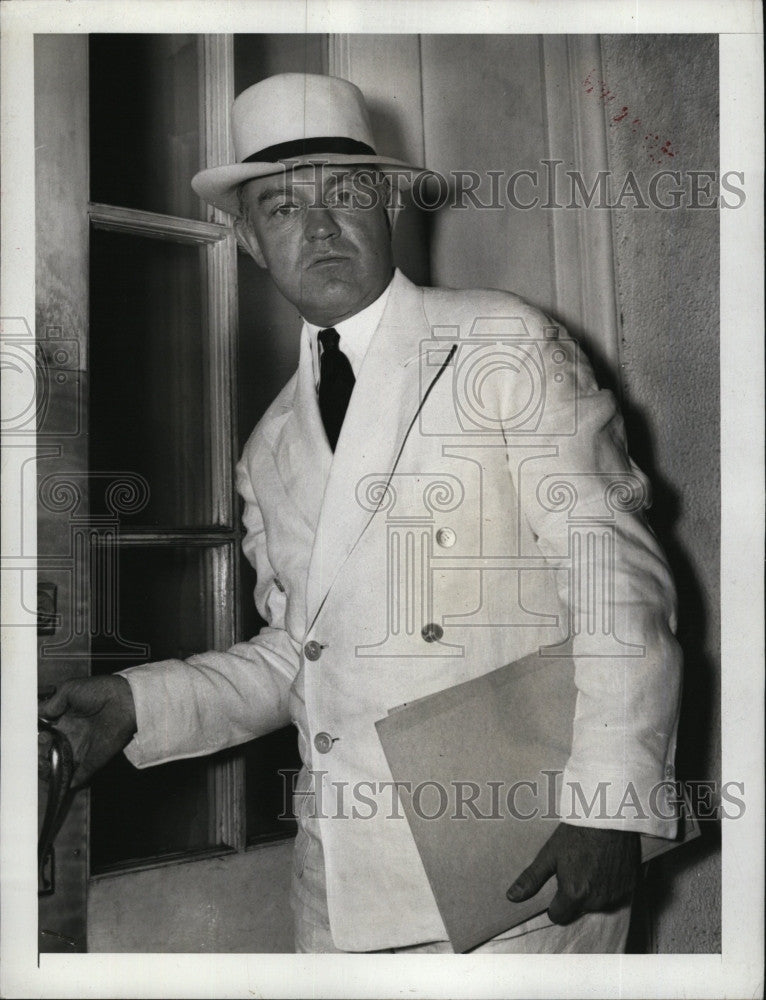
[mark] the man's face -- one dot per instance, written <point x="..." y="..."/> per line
<point x="324" y="236"/>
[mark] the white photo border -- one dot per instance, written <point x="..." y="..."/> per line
<point x="738" y="970"/>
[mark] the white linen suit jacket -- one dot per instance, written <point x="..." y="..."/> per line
<point x="480" y="504"/>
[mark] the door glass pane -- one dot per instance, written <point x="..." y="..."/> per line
<point x="148" y="375"/>
<point x="145" y="122"/>
<point x="150" y="602"/>
<point x="163" y="598"/>
<point x="269" y="812"/>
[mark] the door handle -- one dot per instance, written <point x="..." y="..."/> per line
<point x="59" y="797"/>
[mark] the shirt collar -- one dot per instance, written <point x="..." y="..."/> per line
<point x="355" y="333"/>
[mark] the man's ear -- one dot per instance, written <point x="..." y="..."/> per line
<point x="248" y="241"/>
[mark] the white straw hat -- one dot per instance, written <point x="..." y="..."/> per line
<point x="290" y="120"/>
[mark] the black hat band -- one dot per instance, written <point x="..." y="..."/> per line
<point x="310" y="147"/>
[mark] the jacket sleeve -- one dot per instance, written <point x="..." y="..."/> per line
<point x="187" y="708"/>
<point x="584" y="500"/>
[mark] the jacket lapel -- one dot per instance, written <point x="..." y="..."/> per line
<point x="302" y="454"/>
<point x="384" y="402"/>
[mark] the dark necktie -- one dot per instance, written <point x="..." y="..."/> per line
<point x="336" y="382"/>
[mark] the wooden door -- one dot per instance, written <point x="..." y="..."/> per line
<point x="61" y="232"/>
<point x="139" y="526"/>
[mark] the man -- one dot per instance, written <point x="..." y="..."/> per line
<point x="467" y="412"/>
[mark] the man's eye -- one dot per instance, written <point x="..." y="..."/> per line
<point x="340" y="197"/>
<point x="285" y="208"/>
<point x="345" y="196"/>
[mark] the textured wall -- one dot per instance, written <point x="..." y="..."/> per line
<point x="667" y="282"/>
<point x="483" y="110"/>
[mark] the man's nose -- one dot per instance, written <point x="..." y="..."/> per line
<point x="321" y="223"/>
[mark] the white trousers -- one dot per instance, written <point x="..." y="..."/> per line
<point x="593" y="933"/>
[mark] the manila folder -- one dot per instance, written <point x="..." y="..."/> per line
<point x="476" y="768"/>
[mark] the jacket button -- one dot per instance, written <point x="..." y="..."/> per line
<point x="323" y="742"/>
<point x="312" y="650"/>
<point x="432" y="632"/>
<point x="446" y="537"/>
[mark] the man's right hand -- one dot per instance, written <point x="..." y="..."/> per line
<point x="97" y="715"/>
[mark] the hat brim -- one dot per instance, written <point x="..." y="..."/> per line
<point x="218" y="185"/>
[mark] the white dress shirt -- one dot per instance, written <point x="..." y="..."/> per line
<point x="355" y="333"/>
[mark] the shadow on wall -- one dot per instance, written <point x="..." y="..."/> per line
<point x="696" y="749"/>
<point x="696" y="753"/>
<point x="411" y="235"/>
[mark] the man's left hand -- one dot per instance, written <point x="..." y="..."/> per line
<point x="596" y="870"/>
